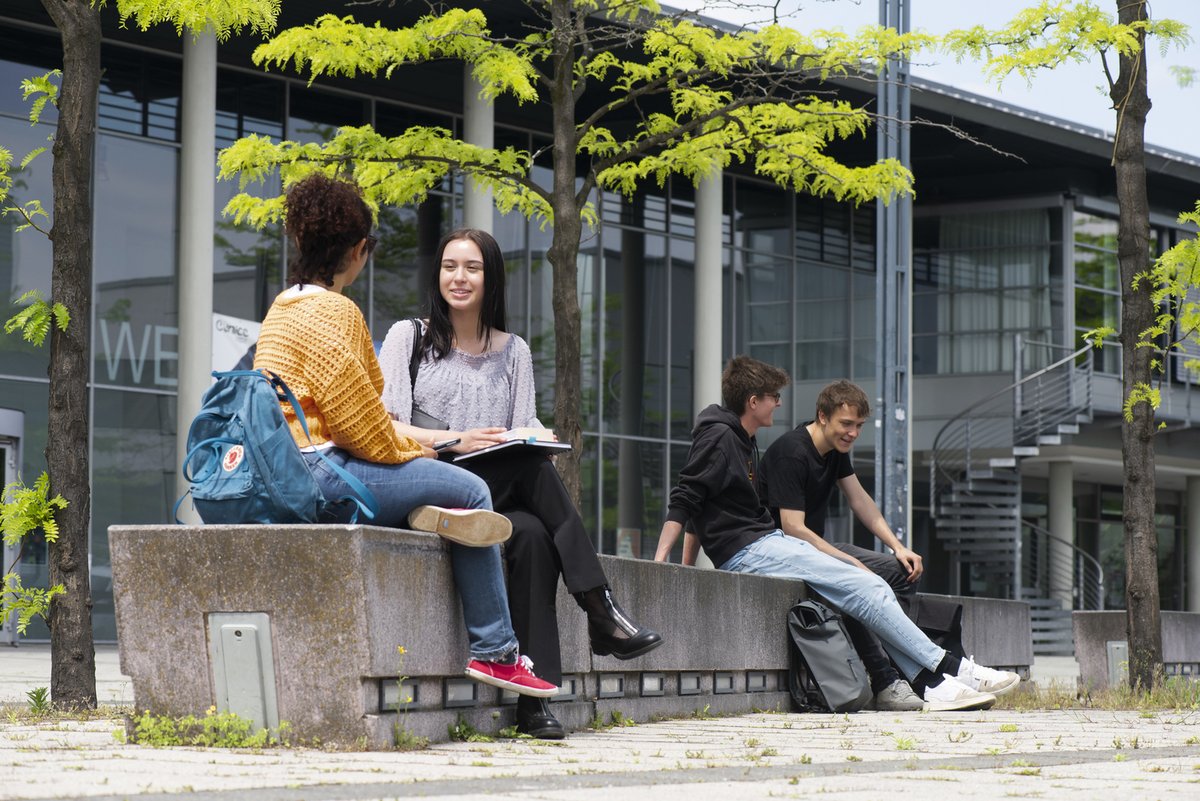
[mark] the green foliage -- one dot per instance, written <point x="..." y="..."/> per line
<point x="23" y="509"/>
<point x="717" y="111"/>
<point x="1141" y="393"/>
<point x="1055" y="32"/>
<point x="31" y="210"/>
<point x="1184" y="76"/>
<point x="1175" y="289"/>
<point x="1097" y="336"/>
<point x="27" y="602"/>
<point x="462" y="731"/>
<point x="44" y="90"/>
<point x="35" y="319"/>
<point x="39" y="701"/>
<point x="214" y="730"/>
<point x="224" y="18"/>
<point x="5" y="178"/>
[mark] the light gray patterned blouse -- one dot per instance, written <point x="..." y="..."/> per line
<point x="491" y="389"/>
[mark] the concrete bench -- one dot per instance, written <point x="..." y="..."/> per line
<point x="302" y="624"/>
<point x="1102" y="649"/>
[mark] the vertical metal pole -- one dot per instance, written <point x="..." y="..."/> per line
<point x="197" y="189"/>
<point x="893" y="261"/>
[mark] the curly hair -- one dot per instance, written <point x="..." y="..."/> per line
<point x="745" y="376"/>
<point x="439" y="336"/>
<point x="324" y="218"/>
<point x="842" y="393"/>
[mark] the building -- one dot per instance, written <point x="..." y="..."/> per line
<point x="1013" y="255"/>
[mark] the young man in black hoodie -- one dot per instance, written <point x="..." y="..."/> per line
<point x="716" y="493"/>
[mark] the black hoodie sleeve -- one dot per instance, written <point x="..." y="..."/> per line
<point x="705" y="475"/>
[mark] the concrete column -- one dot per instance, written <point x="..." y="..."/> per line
<point x="706" y="372"/>
<point x="1192" y="582"/>
<point x="1062" y="526"/>
<point x="706" y="375"/>
<point x="197" y="162"/>
<point x="479" y="128"/>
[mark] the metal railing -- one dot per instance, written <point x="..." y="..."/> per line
<point x="1049" y="396"/>
<point x="1054" y="395"/>
<point x="1051" y="567"/>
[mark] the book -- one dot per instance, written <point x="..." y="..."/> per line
<point x="520" y="439"/>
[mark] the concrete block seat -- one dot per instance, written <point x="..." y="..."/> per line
<point x="1101" y="646"/>
<point x="303" y="624"/>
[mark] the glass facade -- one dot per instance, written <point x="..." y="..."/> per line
<point x="979" y="279"/>
<point x="798" y="276"/>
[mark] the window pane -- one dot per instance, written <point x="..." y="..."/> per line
<point x="135" y="341"/>
<point x="133" y="479"/>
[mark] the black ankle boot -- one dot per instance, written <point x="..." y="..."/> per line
<point x="611" y="630"/>
<point x="534" y="718"/>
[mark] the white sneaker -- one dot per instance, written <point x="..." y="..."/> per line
<point x="986" y="679"/>
<point x="952" y="695"/>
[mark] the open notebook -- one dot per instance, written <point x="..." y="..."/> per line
<point x="520" y="439"/>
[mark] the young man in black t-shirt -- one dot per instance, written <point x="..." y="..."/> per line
<point x="715" y="492"/>
<point x="796" y="481"/>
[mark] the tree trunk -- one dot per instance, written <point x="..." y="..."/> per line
<point x="73" y="657"/>
<point x="564" y="251"/>
<point x="1132" y="104"/>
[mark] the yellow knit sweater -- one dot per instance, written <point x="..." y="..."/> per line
<point x="320" y="345"/>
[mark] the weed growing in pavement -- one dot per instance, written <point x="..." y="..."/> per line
<point x="464" y="732"/>
<point x="405" y="739"/>
<point x="39" y="701"/>
<point x="615" y="718"/>
<point x="214" y="730"/>
<point x="905" y="743"/>
<point x="1008" y="727"/>
<point x="1171" y="693"/>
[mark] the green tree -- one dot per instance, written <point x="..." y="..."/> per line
<point x="630" y="95"/>
<point x="73" y="661"/>
<point x="1043" y="37"/>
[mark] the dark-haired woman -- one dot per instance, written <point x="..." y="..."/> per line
<point x="317" y="341"/>
<point x="478" y="378"/>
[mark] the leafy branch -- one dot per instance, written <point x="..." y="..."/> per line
<point x="34" y="320"/>
<point x="22" y="510"/>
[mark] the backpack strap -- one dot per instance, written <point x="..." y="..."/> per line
<point x="365" y="501"/>
<point x="414" y="361"/>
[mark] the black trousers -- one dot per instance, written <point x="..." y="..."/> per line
<point x="885" y="565"/>
<point x="548" y="540"/>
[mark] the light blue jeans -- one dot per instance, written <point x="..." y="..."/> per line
<point x="400" y="488"/>
<point x="862" y="595"/>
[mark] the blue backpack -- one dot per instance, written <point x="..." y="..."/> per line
<point x="243" y="464"/>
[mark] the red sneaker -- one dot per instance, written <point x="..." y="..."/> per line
<point x="517" y="677"/>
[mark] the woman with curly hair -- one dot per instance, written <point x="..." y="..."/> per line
<point x="315" y="338"/>
<point x="478" y="378"/>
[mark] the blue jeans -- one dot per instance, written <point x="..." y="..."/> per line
<point x="400" y="488"/>
<point x="862" y="595"/>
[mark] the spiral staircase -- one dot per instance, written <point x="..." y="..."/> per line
<point x="975" y="495"/>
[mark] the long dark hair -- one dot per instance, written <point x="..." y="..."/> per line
<point x="439" y="336"/>
<point x="325" y="217"/>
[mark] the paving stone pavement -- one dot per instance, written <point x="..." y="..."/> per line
<point x="871" y="755"/>
<point x="978" y="755"/>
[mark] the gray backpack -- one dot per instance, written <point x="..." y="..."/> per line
<point x="825" y="672"/>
